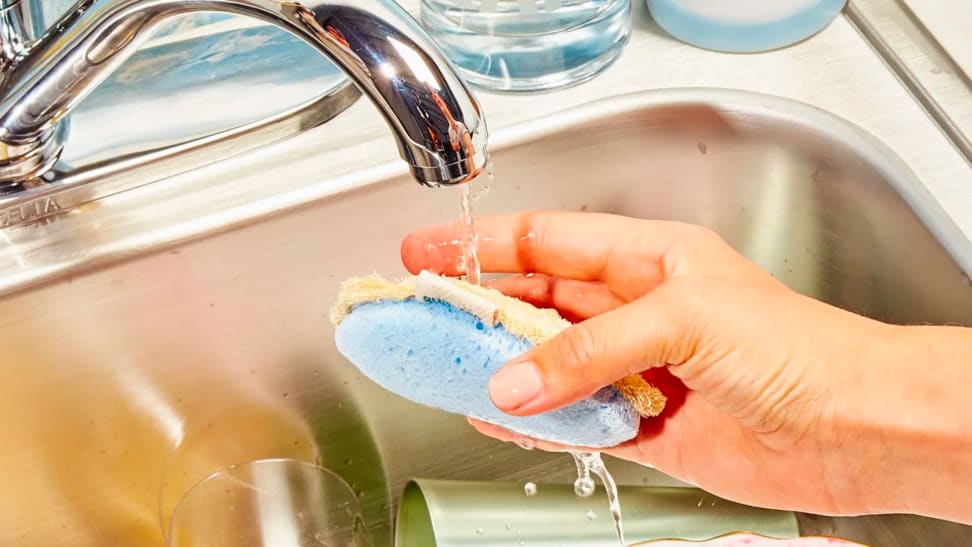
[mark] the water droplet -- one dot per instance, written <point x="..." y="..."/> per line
<point x="525" y="444"/>
<point x="300" y="515"/>
<point x="480" y="531"/>
<point x="584" y="487"/>
<point x="529" y="489"/>
<point x="348" y="461"/>
<point x="590" y="462"/>
<point x="700" y="503"/>
<point x="509" y="526"/>
<point x="590" y="514"/>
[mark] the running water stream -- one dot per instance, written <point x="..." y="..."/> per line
<point x="591" y="462"/>
<point x="467" y="217"/>
<point x="586" y="462"/>
<point x="470" y="241"/>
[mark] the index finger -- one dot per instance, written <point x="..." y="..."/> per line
<point x="624" y="253"/>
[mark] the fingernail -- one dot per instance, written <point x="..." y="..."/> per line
<point x="515" y="385"/>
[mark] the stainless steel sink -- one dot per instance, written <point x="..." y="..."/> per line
<point x="143" y="355"/>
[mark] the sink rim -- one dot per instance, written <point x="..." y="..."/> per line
<point x="897" y="173"/>
<point x="145" y="323"/>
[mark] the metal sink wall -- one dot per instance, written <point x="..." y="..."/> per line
<point x="130" y="379"/>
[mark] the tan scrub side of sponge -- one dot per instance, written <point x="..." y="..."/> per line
<point x="517" y="317"/>
<point x="360" y="290"/>
<point x="647" y="399"/>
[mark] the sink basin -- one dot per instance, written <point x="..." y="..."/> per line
<point x="143" y="356"/>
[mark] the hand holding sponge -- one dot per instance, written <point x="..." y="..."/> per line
<point x="437" y="341"/>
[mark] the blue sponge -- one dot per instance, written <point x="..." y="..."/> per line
<point x="438" y="355"/>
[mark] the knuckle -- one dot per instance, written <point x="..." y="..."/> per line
<point x="531" y="241"/>
<point x="687" y="303"/>
<point x="577" y="347"/>
<point x="691" y="246"/>
<point x="698" y="232"/>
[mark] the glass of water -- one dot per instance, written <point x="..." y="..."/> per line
<point x="529" y="45"/>
<point x="269" y="503"/>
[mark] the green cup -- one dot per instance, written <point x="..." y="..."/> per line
<point x="436" y="513"/>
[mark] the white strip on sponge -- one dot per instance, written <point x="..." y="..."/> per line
<point x="429" y="286"/>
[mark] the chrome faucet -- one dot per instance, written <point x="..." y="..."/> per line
<point x="435" y="118"/>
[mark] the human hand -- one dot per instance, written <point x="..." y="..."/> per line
<point x="781" y="389"/>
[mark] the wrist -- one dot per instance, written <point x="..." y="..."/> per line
<point x="906" y="427"/>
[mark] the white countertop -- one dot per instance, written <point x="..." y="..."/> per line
<point x="949" y="21"/>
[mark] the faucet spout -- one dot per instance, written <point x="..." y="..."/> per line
<point x="436" y="120"/>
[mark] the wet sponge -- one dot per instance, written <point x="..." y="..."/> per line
<point x="442" y="354"/>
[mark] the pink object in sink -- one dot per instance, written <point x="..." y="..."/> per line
<point x="753" y="540"/>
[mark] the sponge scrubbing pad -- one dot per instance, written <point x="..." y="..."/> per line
<point x="437" y="341"/>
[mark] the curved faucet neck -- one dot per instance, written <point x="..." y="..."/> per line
<point x="435" y="118"/>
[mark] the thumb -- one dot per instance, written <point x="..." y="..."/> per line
<point x="652" y="331"/>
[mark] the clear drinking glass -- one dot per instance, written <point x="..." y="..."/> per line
<point x="269" y="503"/>
<point x="529" y="45"/>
